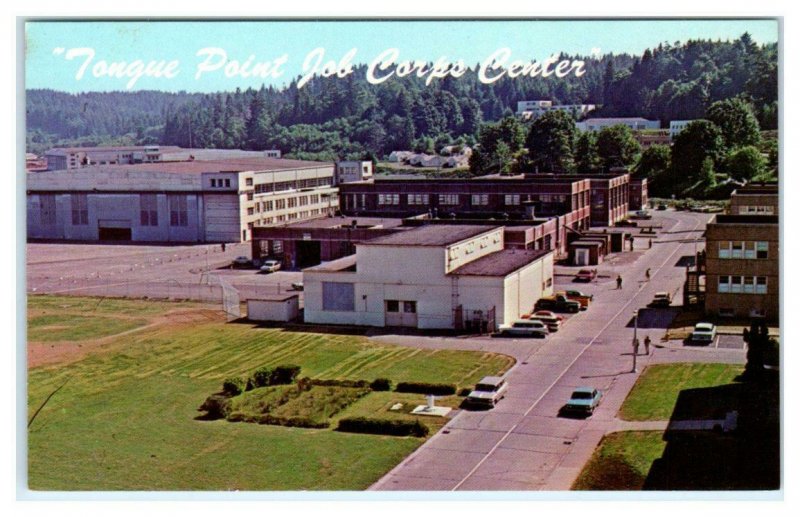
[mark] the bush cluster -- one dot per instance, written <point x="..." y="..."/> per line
<point x="217" y="406"/>
<point x="426" y="388"/>
<point x="233" y="386"/>
<point x="381" y="426"/>
<point x="381" y="384"/>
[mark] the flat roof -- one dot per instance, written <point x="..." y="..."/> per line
<point x="432" y="235"/>
<point x="273" y="297"/>
<point x="500" y="263"/>
<point x="212" y="166"/>
<point x="345" y="222"/>
<point x="111" y="148"/>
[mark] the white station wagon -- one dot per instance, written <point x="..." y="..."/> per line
<point x="704" y="333"/>
<point x="488" y="392"/>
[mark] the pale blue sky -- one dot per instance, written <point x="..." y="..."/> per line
<point x="472" y="41"/>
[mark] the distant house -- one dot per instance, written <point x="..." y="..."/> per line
<point x="349" y="171"/>
<point x="676" y="126"/>
<point x="399" y="156"/>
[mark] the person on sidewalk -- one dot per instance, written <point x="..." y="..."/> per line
<point x="619" y="282"/>
<point x="647" y="345"/>
<point x="647" y="274"/>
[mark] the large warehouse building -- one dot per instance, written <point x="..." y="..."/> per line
<point x="432" y="277"/>
<point x="180" y="201"/>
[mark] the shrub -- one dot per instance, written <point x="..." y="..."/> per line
<point x="216" y="406"/>
<point x="426" y="388"/>
<point x="294" y="422"/>
<point x="381" y="426"/>
<point x="250" y="384"/>
<point x="284" y="374"/>
<point x="464" y="392"/>
<point x="261" y="377"/>
<point x="233" y="386"/>
<point x="344" y="383"/>
<point x="381" y="385"/>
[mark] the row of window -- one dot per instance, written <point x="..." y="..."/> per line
<point x="280" y="186"/>
<point x="220" y="182"/>
<point x="742" y="284"/>
<point x="447" y="199"/>
<point x="743" y="249"/>
<point x="756" y="210"/>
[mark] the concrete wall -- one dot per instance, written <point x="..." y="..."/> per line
<point x="273" y="310"/>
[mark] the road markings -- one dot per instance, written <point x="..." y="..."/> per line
<point x="549" y="388"/>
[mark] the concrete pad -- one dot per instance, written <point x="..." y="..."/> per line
<point x="431" y="411"/>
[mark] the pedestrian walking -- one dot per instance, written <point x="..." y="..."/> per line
<point x="647" y="345"/>
<point x="649" y="243"/>
<point x="619" y="282"/>
<point x="223" y="247"/>
<point x="635" y="347"/>
<point x="647" y="274"/>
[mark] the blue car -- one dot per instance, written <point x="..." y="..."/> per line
<point x="584" y="400"/>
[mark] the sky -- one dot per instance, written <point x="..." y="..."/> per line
<point x="48" y="43"/>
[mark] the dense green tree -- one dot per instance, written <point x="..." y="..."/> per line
<point x="745" y="163"/>
<point x="586" y="158"/>
<point x="736" y="121"/>
<point x="654" y="162"/>
<point x="551" y="141"/>
<point x="616" y="147"/>
<point x="492" y="155"/>
<point x="700" y="139"/>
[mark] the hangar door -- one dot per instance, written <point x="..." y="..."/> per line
<point x="114" y="229"/>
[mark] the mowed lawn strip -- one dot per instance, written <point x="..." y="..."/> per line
<point x="656" y="391"/>
<point x="622" y="461"/>
<point x="125" y="418"/>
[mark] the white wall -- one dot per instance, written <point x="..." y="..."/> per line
<point x="272" y="310"/>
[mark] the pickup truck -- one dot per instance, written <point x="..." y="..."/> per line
<point x="557" y="303"/>
<point x="577" y="296"/>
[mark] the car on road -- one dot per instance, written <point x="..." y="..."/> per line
<point x="525" y="328"/>
<point x="703" y="333"/>
<point x="488" y="392"/>
<point x="584" y="400"/>
<point x="270" y="266"/>
<point x="549" y="318"/>
<point x="585" y="275"/>
<point x="661" y="299"/>
<point x="297" y="286"/>
<point x="241" y="261"/>
<point x="577" y="296"/>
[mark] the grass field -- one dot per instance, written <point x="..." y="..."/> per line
<point x="656" y="392"/>
<point x="125" y="417"/>
<point x="622" y="461"/>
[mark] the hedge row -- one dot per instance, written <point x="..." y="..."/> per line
<point x="426" y="388"/>
<point x="376" y="385"/>
<point x="282" y="421"/>
<point x="381" y="426"/>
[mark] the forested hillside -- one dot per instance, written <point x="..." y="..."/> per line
<point x="330" y="118"/>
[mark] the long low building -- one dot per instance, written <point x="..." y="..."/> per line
<point x="180" y="201"/>
<point x="432" y="277"/>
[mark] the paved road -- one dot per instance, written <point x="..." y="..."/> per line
<point x="523" y="444"/>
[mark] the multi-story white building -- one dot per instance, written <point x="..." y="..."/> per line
<point x="635" y="123"/>
<point x="433" y="277"/>
<point x="537" y="108"/>
<point x="676" y="126"/>
<point x="189" y="201"/>
<point x="350" y="171"/>
<point x="76" y="157"/>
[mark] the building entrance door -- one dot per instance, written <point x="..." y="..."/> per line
<point x="581" y="257"/>
<point x="400" y="313"/>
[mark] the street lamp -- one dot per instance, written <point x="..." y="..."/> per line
<point x="635" y="342"/>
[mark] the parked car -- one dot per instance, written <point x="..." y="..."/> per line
<point x="270" y="266"/>
<point x="577" y="296"/>
<point x="704" y="333"/>
<point x="525" y="328"/>
<point x="584" y="400"/>
<point x="488" y="392"/>
<point x="661" y="299"/>
<point x="549" y="318"/>
<point x="662" y="206"/>
<point x="297" y="286"/>
<point x="557" y="303"/>
<point x="642" y="214"/>
<point x="241" y="261"/>
<point x="585" y="275"/>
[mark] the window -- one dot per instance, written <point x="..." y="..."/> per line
<point x="736" y="284"/>
<point x="749" y="250"/>
<point x="762" y="250"/>
<point x="213" y="183"/>
<point x="410" y="307"/>
<point x="724" y="284"/>
<point x="148" y="209"/>
<point x="388" y="199"/>
<point x="480" y="199"/>
<point x="392" y="306"/>
<point x="227" y="182"/>
<point x="737" y="250"/>
<point x="292" y="202"/>
<point x="250" y="195"/>
<point x="749" y="284"/>
<point x="248" y="182"/>
<point x="47" y="209"/>
<point x="761" y="285"/>
<point x="250" y="211"/>
<point x="725" y="249"/>
<point x="513" y="199"/>
<point x="178" y="212"/>
<point x="418" y="199"/>
<point x="280" y="204"/>
<point x="338" y="296"/>
<point x="448" y="199"/>
<point x="80" y="209"/>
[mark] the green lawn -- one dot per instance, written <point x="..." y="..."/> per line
<point x="75" y="327"/>
<point x="622" y="461"/>
<point x="656" y="392"/>
<point x="126" y="417"/>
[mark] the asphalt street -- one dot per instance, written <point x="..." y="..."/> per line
<point x="523" y="443"/>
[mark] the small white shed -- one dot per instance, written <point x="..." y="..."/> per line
<point x="277" y="307"/>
